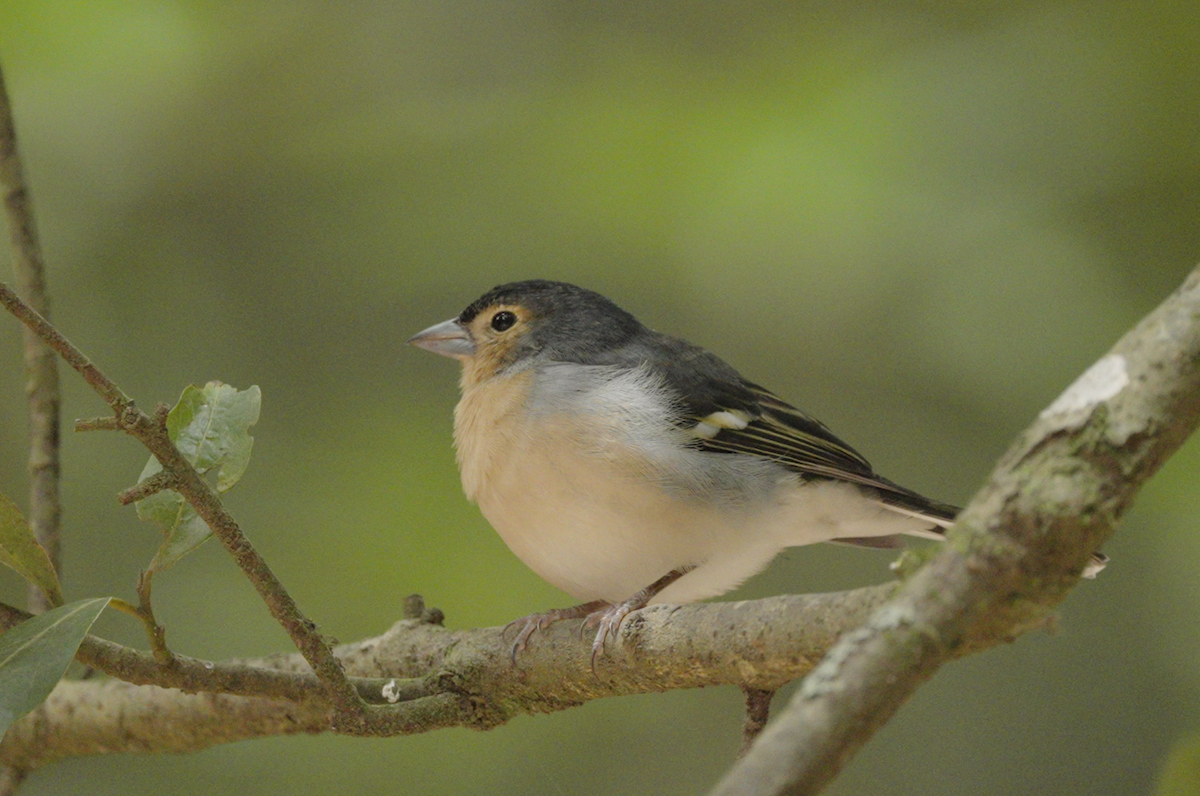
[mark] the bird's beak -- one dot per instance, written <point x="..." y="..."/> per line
<point x="447" y="338"/>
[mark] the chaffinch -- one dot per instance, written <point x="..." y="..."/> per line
<point x="628" y="467"/>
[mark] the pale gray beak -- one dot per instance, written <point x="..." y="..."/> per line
<point x="447" y="338"/>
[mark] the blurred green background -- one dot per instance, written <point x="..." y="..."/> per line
<point x="920" y="221"/>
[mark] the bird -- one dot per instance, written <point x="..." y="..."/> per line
<point x="628" y="467"/>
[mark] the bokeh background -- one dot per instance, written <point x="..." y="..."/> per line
<point x="921" y="221"/>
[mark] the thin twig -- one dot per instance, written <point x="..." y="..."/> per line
<point x="278" y="678"/>
<point x="758" y="710"/>
<point x="33" y="320"/>
<point x="350" y="713"/>
<point x="41" y="367"/>
<point x="97" y="424"/>
<point x="154" y="631"/>
<point x="117" y="604"/>
<point x="144" y="489"/>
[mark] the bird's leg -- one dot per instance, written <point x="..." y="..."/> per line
<point x="609" y="618"/>
<point x="535" y="622"/>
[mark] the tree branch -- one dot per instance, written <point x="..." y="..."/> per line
<point x="1015" y="552"/>
<point x="451" y="678"/>
<point x="41" y="368"/>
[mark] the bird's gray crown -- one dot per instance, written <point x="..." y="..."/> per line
<point x="567" y="323"/>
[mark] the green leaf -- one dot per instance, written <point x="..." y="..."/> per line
<point x="35" y="654"/>
<point x="210" y="426"/>
<point x="20" y="550"/>
<point x="186" y="531"/>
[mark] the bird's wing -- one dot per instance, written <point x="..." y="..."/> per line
<point x="776" y="430"/>
<point x="728" y="414"/>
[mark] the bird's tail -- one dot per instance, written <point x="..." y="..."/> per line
<point x="940" y="516"/>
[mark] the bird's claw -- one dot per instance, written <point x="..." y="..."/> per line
<point x="529" y="625"/>
<point x="608" y="620"/>
<point x="535" y="622"/>
<point x="597" y="614"/>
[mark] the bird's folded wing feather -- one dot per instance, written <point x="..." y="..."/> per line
<point x="728" y="414"/>
<point x="774" y="429"/>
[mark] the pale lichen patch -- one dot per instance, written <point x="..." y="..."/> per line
<point x="391" y="691"/>
<point x="1099" y="383"/>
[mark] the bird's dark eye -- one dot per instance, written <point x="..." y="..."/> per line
<point x="503" y="320"/>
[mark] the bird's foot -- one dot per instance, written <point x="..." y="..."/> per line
<point x="609" y="618"/>
<point x="598" y="613"/>
<point x="608" y="621"/>
<point x="535" y="622"/>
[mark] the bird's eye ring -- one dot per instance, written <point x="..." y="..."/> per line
<point x="502" y="321"/>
